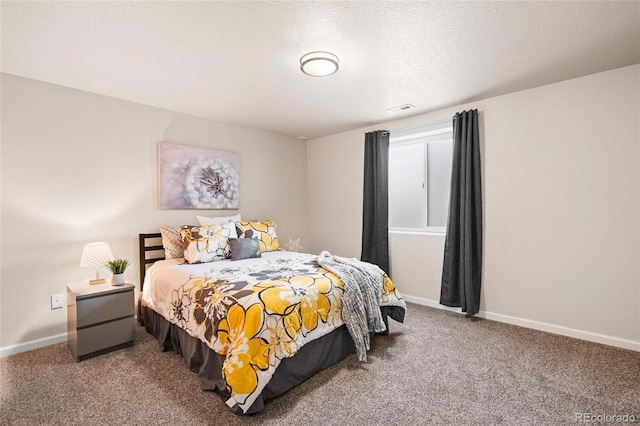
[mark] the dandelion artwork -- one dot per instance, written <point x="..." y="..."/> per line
<point x="197" y="178"/>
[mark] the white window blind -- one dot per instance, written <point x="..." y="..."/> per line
<point x="419" y="180"/>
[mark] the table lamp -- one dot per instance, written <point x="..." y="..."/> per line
<point x="96" y="254"/>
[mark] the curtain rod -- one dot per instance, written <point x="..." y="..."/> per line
<point x="448" y="120"/>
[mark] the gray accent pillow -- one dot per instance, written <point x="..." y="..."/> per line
<point x="244" y="248"/>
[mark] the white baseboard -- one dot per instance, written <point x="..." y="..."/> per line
<point x="537" y="325"/>
<point x="34" y="344"/>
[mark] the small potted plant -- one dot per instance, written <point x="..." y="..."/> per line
<point x="117" y="267"/>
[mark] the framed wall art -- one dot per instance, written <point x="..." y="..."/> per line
<point x="191" y="177"/>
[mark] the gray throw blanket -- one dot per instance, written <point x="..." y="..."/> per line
<point x="363" y="283"/>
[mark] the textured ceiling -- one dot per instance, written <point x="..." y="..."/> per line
<point x="238" y="62"/>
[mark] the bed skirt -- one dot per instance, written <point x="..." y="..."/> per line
<point x="309" y="360"/>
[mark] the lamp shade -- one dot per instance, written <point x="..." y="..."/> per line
<point x="319" y="64"/>
<point x="95" y="254"/>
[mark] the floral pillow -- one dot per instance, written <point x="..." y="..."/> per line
<point x="204" y="244"/>
<point x="264" y="232"/>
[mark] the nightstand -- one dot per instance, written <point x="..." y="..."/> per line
<point x="100" y="318"/>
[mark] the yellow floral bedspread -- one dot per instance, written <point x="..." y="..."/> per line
<point x="255" y="312"/>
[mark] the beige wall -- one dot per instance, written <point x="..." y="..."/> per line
<point x="78" y="167"/>
<point x="561" y="170"/>
<point x="561" y="187"/>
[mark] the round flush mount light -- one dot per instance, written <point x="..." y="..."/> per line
<point x="319" y="64"/>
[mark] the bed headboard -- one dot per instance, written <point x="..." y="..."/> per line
<point x="150" y="250"/>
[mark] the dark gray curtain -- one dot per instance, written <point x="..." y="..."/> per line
<point x="462" y="269"/>
<point x="375" y="208"/>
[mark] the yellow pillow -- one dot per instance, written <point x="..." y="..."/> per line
<point x="264" y="232"/>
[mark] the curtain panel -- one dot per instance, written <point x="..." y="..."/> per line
<point x="462" y="268"/>
<point x="375" y="208"/>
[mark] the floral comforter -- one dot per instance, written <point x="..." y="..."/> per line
<point x="255" y="312"/>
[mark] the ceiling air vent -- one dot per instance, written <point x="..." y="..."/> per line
<point x="401" y="108"/>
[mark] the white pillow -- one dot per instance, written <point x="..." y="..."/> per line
<point x="220" y="220"/>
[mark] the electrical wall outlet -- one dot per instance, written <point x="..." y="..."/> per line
<point x="56" y="301"/>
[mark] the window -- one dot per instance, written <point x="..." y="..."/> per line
<point x="419" y="180"/>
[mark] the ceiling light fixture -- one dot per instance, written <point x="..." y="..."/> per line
<point x="319" y="64"/>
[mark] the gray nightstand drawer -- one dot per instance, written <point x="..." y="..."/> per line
<point x="100" y="318"/>
<point x="97" y="309"/>
<point x="102" y="336"/>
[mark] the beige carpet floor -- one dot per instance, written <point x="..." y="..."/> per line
<point x="437" y="368"/>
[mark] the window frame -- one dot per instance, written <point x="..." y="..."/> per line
<point x="410" y="139"/>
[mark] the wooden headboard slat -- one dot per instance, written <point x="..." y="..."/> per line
<point x="144" y="249"/>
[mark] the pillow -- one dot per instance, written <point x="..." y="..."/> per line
<point x="172" y="241"/>
<point x="221" y="220"/>
<point x="244" y="248"/>
<point x="264" y="232"/>
<point x="204" y="244"/>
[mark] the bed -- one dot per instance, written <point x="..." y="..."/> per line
<point x="256" y="327"/>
